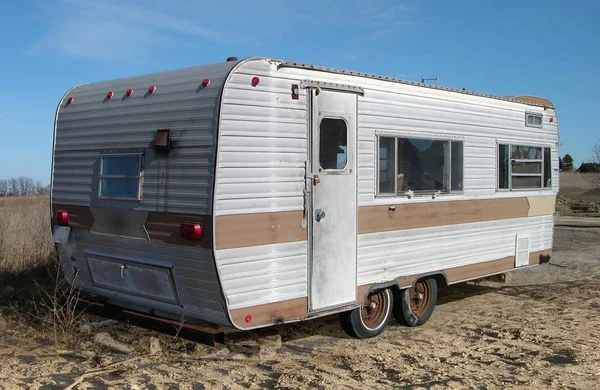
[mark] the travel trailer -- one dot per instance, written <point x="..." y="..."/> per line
<point x="257" y="192"/>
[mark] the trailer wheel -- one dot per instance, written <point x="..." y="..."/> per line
<point x="413" y="306"/>
<point x="370" y="319"/>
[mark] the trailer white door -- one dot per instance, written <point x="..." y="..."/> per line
<point x="334" y="206"/>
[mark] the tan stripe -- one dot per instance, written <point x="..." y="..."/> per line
<point x="271" y="313"/>
<point x="480" y="269"/>
<point x="242" y="230"/>
<point x="374" y="219"/>
<point x="541" y="205"/>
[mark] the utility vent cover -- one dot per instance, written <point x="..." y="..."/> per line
<point x="522" y="250"/>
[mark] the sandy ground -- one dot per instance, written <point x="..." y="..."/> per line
<point x="540" y="329"/>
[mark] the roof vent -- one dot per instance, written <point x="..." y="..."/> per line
<point x="231" y="59"/>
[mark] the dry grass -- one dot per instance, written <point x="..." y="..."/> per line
<point x="581" y="181"/>
<point x="38" y="292"/>
<point x="25" y="236"/>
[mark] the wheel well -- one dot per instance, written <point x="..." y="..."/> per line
<point x="440" y="279"/>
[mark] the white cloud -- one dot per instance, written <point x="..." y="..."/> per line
<point x="111" y="30"/>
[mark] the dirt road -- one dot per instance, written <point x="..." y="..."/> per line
<point x="541" y="329"/>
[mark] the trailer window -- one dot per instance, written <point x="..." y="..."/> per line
<point x="419" y="165"/>
<point x="523" y="167"/>
<point x="120" y="176"/>
<point x="333" y="144"/>
<point x="533" y="120"/>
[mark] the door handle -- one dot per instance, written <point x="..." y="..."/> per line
<point x="319" y="215"/>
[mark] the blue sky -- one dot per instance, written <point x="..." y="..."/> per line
<point x="546" y="48"/>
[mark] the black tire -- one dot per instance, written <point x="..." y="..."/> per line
<point x="414" y="306"/>
<point x="370" y="319"/>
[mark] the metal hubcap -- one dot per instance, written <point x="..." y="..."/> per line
<point x="374" y="310"/>
<point x="420" y="296"/>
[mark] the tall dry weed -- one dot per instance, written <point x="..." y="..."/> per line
<point x="25" y="236"/>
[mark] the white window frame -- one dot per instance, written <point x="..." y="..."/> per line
<point x="447" y="170"/>
<point x="139" y="177"/>
<point x="510" y="163"/>
<point x="534" y="114"/>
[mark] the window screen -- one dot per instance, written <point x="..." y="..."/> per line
<point x="526" y="166"/>
<point x="523" y="167"/>
<point x="333" y="144"/>
<point x="120" y="176"/>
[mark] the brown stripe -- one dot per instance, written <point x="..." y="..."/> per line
<point x="164" y="228"/>
<point x="480" y="269"/>
<point x="373" y="219"/>
<point x="271" y="313"/>
<point x="80" y="217"/>
<point x="242" y="230"/>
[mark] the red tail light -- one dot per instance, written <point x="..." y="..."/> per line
<point x="191" y="231"/>
<point x="61" y="218"/>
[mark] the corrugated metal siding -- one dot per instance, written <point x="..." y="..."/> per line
<point x="262" y="148"/>
<point x="179" y="182"/>
<point x="263" y="274"/>
<point x="263" y="145"/>
<point x="193" y="269"/>
<point x="385" y="256"/>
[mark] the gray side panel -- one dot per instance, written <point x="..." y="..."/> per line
<point x="188" y="276"/>
<point x="180" y="181"/>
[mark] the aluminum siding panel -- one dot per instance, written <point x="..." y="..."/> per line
<point x="193" y="270"/>
<point x="386" y="256"/>
<point x="263" y="145"/>
<point x="254" y="177"/>
<point x="180" y="182"/>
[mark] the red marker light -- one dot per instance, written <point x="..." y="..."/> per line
<point x="70" y="100"/>
<point x="205" y="82"/>
<point x="248" y="318"/>
<point x="551" y="119"/>
<point x="61" y="218"/>
<point x="129" y="92"/>
<point x="109" y="95"/>
<point x="191" y="231"/>
<point x="255" y="81"/>
<point x="151" y="89"/>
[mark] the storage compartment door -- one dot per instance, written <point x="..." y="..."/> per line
<point x="146" y="280"/>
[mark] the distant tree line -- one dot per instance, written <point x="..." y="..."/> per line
<point x="22" y="186"/>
